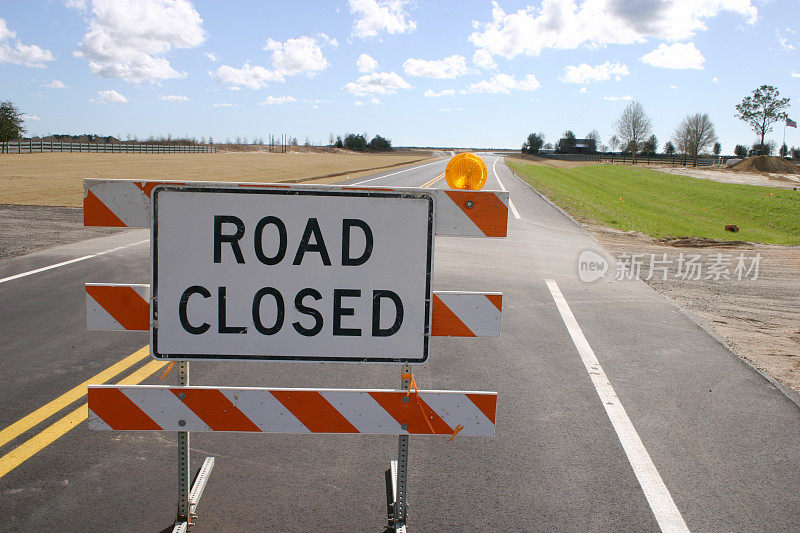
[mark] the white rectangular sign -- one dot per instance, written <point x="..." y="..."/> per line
<point x="291" y="274"/>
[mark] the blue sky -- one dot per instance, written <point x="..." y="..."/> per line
<point x="461" y="73"/>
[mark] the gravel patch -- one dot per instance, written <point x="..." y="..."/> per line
<point x="29" y="228"/>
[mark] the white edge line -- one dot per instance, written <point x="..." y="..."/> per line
<point x="392" y="174"/>
<point x="510" y="203"/>
<point x="667" y="515"/>
<point x="64" y="263"/>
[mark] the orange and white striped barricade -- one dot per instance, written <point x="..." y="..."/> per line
<point x="285" y="410"/>
<point x="127" y="204"/>
<point x="381" y="230"/>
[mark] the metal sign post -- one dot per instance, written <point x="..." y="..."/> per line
<point x="349" y="280"/>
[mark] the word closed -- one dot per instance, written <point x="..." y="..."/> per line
<point x="297" y="274"/>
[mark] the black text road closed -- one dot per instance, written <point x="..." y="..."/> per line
<point x="297" y="274"/>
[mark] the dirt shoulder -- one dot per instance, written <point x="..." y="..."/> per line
<point x="781" y="181"/>
<point x="759" y="319"/>
<point x="56" y="179"/>
<point x="28" y="228"/>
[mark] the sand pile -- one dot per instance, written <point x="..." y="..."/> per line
<point x="766" y="163"/>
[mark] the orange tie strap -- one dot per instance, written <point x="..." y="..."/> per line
<point x="413" y="385"/>
<point x="169" y="367"/>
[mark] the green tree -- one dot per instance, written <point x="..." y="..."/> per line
<point x="717" y="148"/>
<point x="669" y="148"/>
<point x="784" y="151"/>
<point x="11" y="122"/>
<point x="762" y="109"/>
<point x="380" y="144"/>
<point x="355" y="142"/>
<point x="533" y="144"/>
<point x="650" y="146"/>
<point x="567" y="143"/>
<point x="795" y="153"/>
<point x="740" y="150"/>
<point x="338" y="143"/>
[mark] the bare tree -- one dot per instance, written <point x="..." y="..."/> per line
<point x="633" y="126"/>
<point x="694" y="134"/>
<point x="614" y="142"/>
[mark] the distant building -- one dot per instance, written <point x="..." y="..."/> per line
<point x="578" y="146"/>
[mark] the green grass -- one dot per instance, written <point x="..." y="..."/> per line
<point x="666" y="205"/>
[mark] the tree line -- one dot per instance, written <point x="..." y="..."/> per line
<point x="358" y="143"/>
<point x="694" y="135"/>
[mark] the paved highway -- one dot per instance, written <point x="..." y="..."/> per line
<point x="616" y="412"/>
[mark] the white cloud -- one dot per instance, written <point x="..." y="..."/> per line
<point x="377" y="83"/>
<point x="30" y="118"/>
<point x="373" y="100"/>
<point x="585" y="73"/>
<point x="55" y="84"/>
<point x="278" y="100"/>
<point x="503" y="83"/>
<point x="225" y="104"/>
<point x="626" y="98"/>
<point x="675" y="56"/>
<point x="247" y="76"/>
<point x="715" y="79"/>
<point x="584" y="90"/>
<point x="569" y="24"/>
<point x="674" y="87"/>
<point x="449" y="67"/>
<point x="366" y="63"/>
<point x="29" y="55"/>
<point x="108" y="97"/>
<point x="374" y="17"/>
<point x="795" y="74"/>
<point x="128" y="39"/>
<point x="173" y="98"/>
<point x="302" y="55"/>
<point x="483" y="59"/>
<point x="430" y="93"/>
<point x="211" y="56"/>
<point x="5" y="33"/>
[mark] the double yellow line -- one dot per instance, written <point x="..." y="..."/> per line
<point x="433" y="181"/>
<point x="60" y="427"/>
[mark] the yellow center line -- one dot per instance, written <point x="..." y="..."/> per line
<point x="46" y="411"/>
<point x="57" y="429"/>
<point x="432" y="181"/>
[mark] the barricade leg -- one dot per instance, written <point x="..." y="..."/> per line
<point x="188" y="493"/>
<point x="398" y="472"/>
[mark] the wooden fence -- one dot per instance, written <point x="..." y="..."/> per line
<point x="672" y="160"/>
<point x="29" y="147"/>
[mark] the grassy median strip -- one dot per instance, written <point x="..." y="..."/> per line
<point x="666" y="205"/>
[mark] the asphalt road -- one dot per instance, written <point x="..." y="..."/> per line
<point x="616" y="412"/>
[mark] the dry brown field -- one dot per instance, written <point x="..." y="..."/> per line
<point x="56" y="179"/>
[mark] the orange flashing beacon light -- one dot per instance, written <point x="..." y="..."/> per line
<point x="466" y="171"/>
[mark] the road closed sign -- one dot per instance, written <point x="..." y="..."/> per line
<point x="311" y="274"/>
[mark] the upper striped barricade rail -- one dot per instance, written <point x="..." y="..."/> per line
<point x="126" y="203"/>
<point x="285" y="410"/>
<point x="114" y="307"/>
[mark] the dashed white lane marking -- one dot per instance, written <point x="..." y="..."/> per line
<point x="666" y="512"/>
<point x="510" y="203"/>
<point x="64" y="263"/>
<point x="393" y="173"/>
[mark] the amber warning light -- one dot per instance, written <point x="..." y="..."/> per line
<point x="466" y="171"/>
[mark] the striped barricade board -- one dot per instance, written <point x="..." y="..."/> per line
<point x="116" y="307"/>
<point x="283" y="410"/>
<point x="126" y="204"/>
